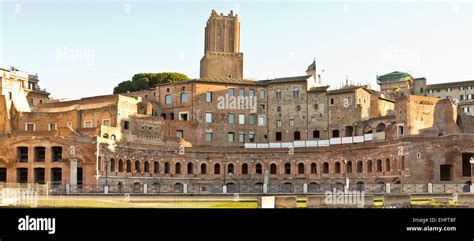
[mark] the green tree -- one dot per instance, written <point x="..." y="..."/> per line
<point x="143" y="81"/>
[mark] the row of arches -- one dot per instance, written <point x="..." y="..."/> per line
<point x="336" y="167"/>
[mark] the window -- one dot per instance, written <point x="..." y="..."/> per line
<point x="167" y="167"/>
<point x="316" y="134"/>
<point x="445" y="172"/>
<point x="217" y="168"/>
<point x="168" y="99"/>
<point x="39" y="175"/>
<point x="40" y="154"/>
<point x="245" y="169"/>
<point x="230" y="92"/>
<point x="183" y="116"/>
<point x="251" y="119"/>
<point x="278" y="123"/>
<point x="278" y="108"/>
<point x="313" y="119"/>
<point x="241" y="92"/>
<point x="421" y="90"/>
<point x="10" y="97"/>
<point x="146" y="167"/>
<point x="251" y="92"/>
<point x="300" y="168"/>
<point x="292" y="122"/>
<point x="29" y="127"/>
<point x="262" y="94"/>
<point x="278" y="94"/>
<point x="179" y="133"/>
<point x="231" y="118"/>
<point x="261" y="120"/>
<point x="241" y="119"/>
<point x="230" y="136"/>
<point x="208" y="117"/>
<point x="273" y="168"/>
<point x="22" y="175"/>
<point x="31" y="101"/>
<point x="296" y="136"/>
<point x="449" y="89"/>
<point x="296" y="93"/>
<point x="208" y="97"/>
<point x="313" y="168"/>
<point x="184" y="97"/>
<point x="190" y="168"/>
<point x="387" y="165"/>
<point x="262" y="106"/>
<point x="203" y="168"/>
<point x="378" y="167"/>
<point x="316" y="106"/>
<point x="251" y="137"/>
<point x="335" y="133"/>
<point x="258" y="169"/>
<point x="325" y="168"/>
<point x="461" y="88"/>
<point x="177" y="168"/>
<point x="241" y="137"/>
<point x="56" y="153"/>
<point x="287" y="168"/>
<point x="51" y="126"/>
<point x="369" y="166"/>
<point x="332" y="102"/>
<point x="349" y="167"/>
<point x="208" y="136"/>
<point x="278" y="136"/>
<point x="69" y="124"/>
<point x="106" y="122"/>
<point x="22" y="154"/>
<point x="126" y="125"/>
<point x="337" y="167"/>
<point x="298" y="108"/>
<point x="461" y="97"/>
<point x="88" y="124"/>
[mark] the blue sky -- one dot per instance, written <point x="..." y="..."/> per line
<point x="85" y="48"/>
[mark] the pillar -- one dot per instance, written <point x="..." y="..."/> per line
<point x="430" y="188"/>
<point x="73" y="172"/>
<point x="305" y="188"/>
<point x="387" y="188"/>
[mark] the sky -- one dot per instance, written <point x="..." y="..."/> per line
<point x="85" y="48"/>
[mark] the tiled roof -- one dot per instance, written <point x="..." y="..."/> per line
<point x="319" y="88"/>
<point x="285" y="79"/>
<point x="348" y="89"/>
<point x="393" y="77"/>
<point x="451" y="84"/>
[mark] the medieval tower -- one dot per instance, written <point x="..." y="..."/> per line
<point x="222" y="57"/>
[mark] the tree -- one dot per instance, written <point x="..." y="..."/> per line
<point x="143" y="81"/>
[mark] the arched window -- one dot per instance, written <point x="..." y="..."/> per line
<point x="217" y="168"/>
<point x="367" y="129"/>
<point x="335" y="133"/>
<point x="129" y="166"/>
<point x="184" y="97"/>
<point x="379" y="166"/>
<point x="203" y="168"/>
<point x="273" y="168"/>
<point x="349" y="167"/>
<point x="156" y="167"/>
<point x="163" y="116"/>
<point x="296" y="93"/>
<point x="287" y="168"/>
<point x="112" y="137"/>
<point x="387" y="165"/>
<point x="112" y="165"/>
<point x="245" y="169"/>
<point x="190" y="168"/>
<point x="380" y="127"/>
<point x="278" y="94"/>
<point x="360" y="167"/>
<point x="349" y="130"/>
<point x="167" y="167"/>
<point x="325" y="168"/>
<point x="230" y="168"/>
<point x="177" y="168"/>
<point x="369" y="166"/>
<point x="120" y="165"/>
<point x="313" y="168"/>
<point x="300" y="168"/>
<point x="105" y="135"/>
<point x="146" y="167"/>
<point x="337" y="167"/>
<point x="258" y="168"/>
<point x="137" y="166"/>
<point x="168" y="99"/>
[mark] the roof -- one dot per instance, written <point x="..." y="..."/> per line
<point x="451" y="84"/>
<point x="227" y="81"/>
<point x="394" y="77"/>
<point x="348" y="89"/>
<point x="318" y="88"/>
<point x="285" y="79"/>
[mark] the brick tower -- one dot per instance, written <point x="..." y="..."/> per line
<point x="222" y="57"/>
